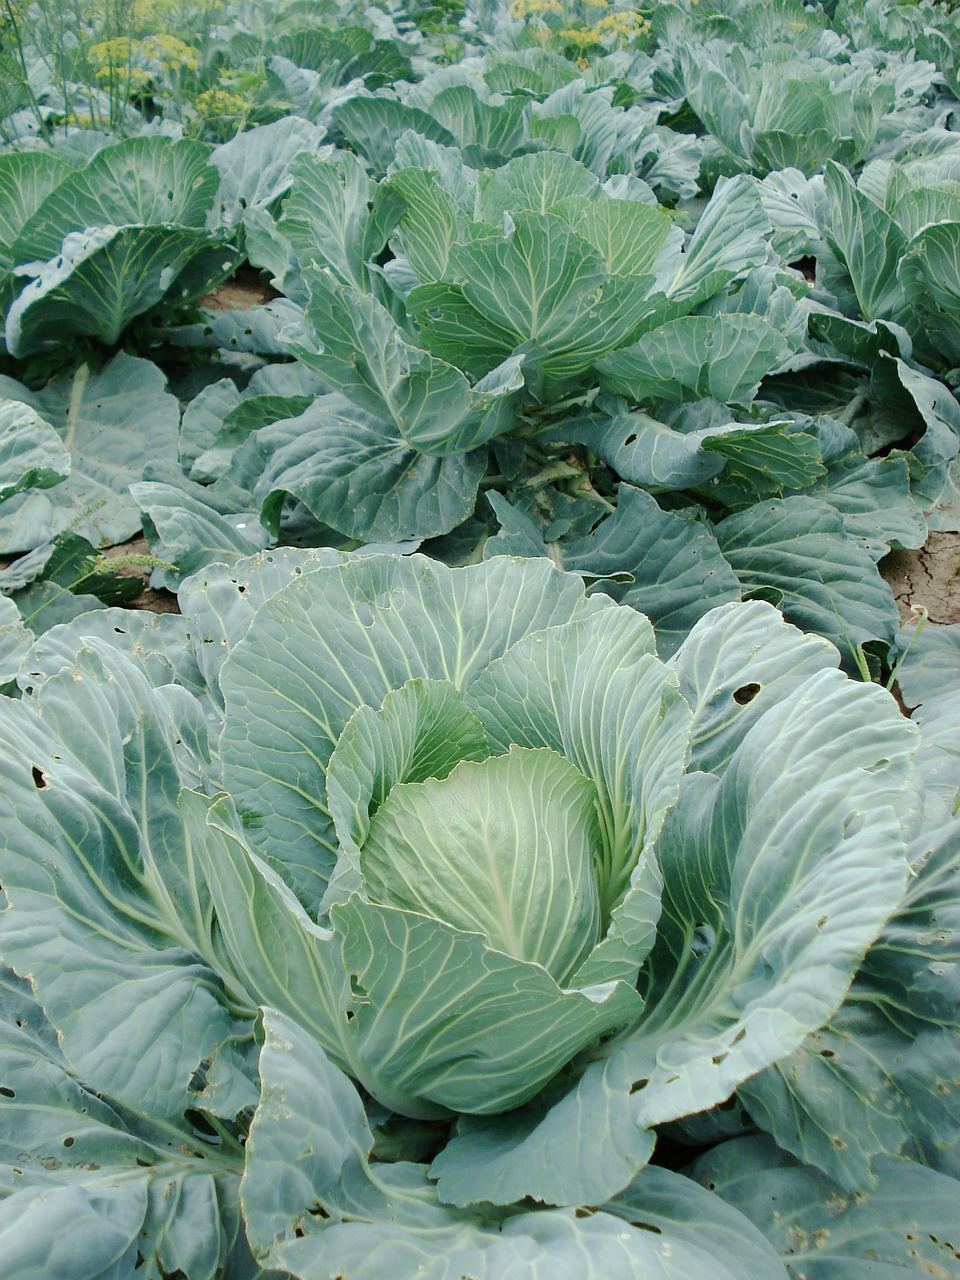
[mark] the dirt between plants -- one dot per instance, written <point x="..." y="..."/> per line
<point x="927" y="579"/>
<point x="155" y="601"/>
<point x="242" y="291"/>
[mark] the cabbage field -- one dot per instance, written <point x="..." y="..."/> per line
<point x="479" y="640"/>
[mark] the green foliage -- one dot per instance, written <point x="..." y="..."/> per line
<point x="548" y="901"/>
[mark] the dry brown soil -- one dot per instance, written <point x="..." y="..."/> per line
<point x="927" y="579"/>
<point x="244" y="290"/>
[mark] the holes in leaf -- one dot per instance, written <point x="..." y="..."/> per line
<point x="638" y="1085"/>
<point x="648" y="1226"/>
<point x="6" y="1092"/>
<point x="365" y="613"/>
<point x="807" y="266"/>
<point x="852" y="824"/>
<point x="318" y="1211"/>
<point x="704" y="936"/>
<point x="630" y="439"/>
<point x="584" y="1213"/>
<point x="39" y="781"/>
<point x="746" y="693"/>
<point x="68" y="1142"/>
<point x="202" y="1126"/>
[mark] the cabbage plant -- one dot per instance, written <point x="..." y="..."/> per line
<point x="779" y="113"/>
<point x="371" y="902"/>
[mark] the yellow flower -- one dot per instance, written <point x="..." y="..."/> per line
<point x="218" y="102"/>
<point x="130" y="76"/>
<point x="170" y="52"/>
<point x="115" y="52"/>
<point x="145" y="13"/>
<point x="628" y="24"/>
<point x="525" y="8"/>
<point x="582" y="37"/>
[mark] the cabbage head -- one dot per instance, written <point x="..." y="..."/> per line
<point x="456" y="834"/>
<point x="464" y="777"/>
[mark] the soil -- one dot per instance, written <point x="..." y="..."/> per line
<point x="245" y="289"/>
<point x="155" y="601"/>
<point x="928" y="579"/>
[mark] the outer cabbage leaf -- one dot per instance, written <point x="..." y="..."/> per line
<point x="735" y="665"/>
<point x="809" y="779"/>
<point x="357" y="474"/>
<point x="758" y="939"/>
<point x="328" y="219"/>
<point x="667" y="456"/>
<point x="930" y="275"/>
<point x="443" y="1019"/>
<point x="158" y="642"/>
<point x="723" y="357"/>
<point x="188" y="525"/>
<point x="365" y="355"/>
<point x="104" y="278"/>
<point x="15" y="640"/>
<point x="909" y="1223"/>
<point x="868" y="242"/>
<point x="658" y="562"/>
<point x="116" y="939"/>
<point x="872" y="495"/>
<point x="340" y="1214"/>
<point x="32" y="455"/>
<point x="145" y="181"/>
<point x="109" y="423"/>
<point x="797" y="550"/>
<point x="88" y="1190"/>
<point x="881" y="1077"/>
<point x="373" y="125"/>
<point x="256" y="166"/>
<point x="730" y="239"/>
<point x="26" y="179"/>
<point x="220" y="600"/>
<point x="928" y="664"/>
